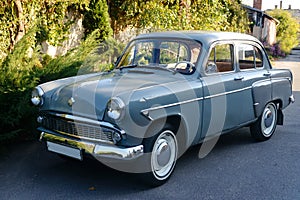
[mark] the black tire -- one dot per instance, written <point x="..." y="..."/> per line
<point x="161" y="155"/>
<point x="265" y="126"/>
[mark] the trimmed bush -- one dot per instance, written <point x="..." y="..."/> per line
<point x="25" y="68"/>
<point x="286" y="31"/>
<point x="17" y="78"/>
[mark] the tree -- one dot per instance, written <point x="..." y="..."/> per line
<point x="286" y="30"/>
<point x="222" y="15"/>
<point x="97" y="17"/>
<point x="50" y="16"/>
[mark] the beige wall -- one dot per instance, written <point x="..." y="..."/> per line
<point x="267" y="33"/>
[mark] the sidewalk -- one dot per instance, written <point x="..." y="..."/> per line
<point x="291" y="62"/>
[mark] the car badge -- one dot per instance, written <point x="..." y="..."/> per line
<point x="71" y="101"/>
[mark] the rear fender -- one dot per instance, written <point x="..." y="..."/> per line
<point x="262" y="94"/>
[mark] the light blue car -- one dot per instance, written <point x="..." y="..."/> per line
<point x="167" y="92"/>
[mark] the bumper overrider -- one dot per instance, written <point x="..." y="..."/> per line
<point x="76" y="145"/>
<point x="292" y="99"/>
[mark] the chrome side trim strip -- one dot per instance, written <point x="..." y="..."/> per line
<point x="193" y="100"/>
<point x="281" y="78"/>
<point x="225" y="93"/>
<point x="171" y="105"/>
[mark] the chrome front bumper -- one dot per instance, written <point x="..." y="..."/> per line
<point x="97" y="150"/>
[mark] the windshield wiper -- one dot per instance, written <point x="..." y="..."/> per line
<point x="149" y="67"/>
<point x="161" y="68"/>
<point x="128" y="66"/>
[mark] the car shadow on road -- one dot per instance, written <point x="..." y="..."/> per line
<point x="93" y="176"/>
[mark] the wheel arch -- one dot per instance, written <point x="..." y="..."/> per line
<point x="177" y="124"/>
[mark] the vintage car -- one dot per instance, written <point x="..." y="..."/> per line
<point x="167" y="92"/>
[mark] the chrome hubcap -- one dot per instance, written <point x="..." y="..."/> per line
<point x="268" y="120"/>
<point x="164" y="155"/>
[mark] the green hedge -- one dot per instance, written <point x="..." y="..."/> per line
<point x="287" y="30"/>
<point x="26" y="67"/>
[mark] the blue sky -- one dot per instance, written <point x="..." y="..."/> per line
<point x="270" y="4"/>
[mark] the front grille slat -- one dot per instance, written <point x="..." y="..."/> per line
<point x="78" y="129"/>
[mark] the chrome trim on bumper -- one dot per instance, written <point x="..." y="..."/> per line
<point x="95" y="149"/>
<point x="292" y="99"/>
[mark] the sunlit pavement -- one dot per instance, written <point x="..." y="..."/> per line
<point x="291" y="62"/>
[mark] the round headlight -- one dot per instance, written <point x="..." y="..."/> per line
<point x="115" y="108"/>
<point x="37" y="96"/>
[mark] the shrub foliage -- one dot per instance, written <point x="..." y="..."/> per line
<point x="286" y="31"/>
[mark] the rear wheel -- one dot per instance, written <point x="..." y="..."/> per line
<point x="163" y="151"/>
<point x="265" y="126"/>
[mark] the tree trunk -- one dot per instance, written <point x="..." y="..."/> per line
<point x="21" y="26"/>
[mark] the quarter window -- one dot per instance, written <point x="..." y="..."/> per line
<point x="250" y="57"/>
<point x="220" y="59"/>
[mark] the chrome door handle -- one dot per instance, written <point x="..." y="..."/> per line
<point x="238" y="78"/>
<point x="267" y="74"/>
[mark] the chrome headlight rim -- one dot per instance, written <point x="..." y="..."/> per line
<point x="116" y="108"/>
<point x="37" y="96"/>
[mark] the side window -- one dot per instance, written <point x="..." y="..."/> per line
<point x="220" y="59"/>
<point x="250" y="57"/>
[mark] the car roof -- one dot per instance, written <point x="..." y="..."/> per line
<point x="205" y="37"/>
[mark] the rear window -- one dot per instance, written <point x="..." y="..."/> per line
<point x="250" y="57"/>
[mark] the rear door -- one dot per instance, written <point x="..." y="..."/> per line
<point x="254" y="67"/>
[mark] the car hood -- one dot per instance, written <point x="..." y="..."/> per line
<point x="88" y="95"/>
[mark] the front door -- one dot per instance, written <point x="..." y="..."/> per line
<point x="223" y="91"/>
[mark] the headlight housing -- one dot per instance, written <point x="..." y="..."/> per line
<point x="37" y="96"/>
<point x="116" y="108"/>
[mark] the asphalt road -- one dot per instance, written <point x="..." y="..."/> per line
<point x="237" y="168"/>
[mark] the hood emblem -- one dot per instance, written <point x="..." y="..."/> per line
<point x="71" y="101"/>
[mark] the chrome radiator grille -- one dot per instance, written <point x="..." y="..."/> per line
<point x="77" y="129"/>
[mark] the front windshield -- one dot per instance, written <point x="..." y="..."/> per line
<point x="167" y="53"/>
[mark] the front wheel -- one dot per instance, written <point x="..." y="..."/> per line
<point x="162" y="157"/>
<point x="265" y="126"/>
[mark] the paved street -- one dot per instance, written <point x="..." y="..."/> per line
<point x="237" y="168"/>
<point x="292" y="62"/>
